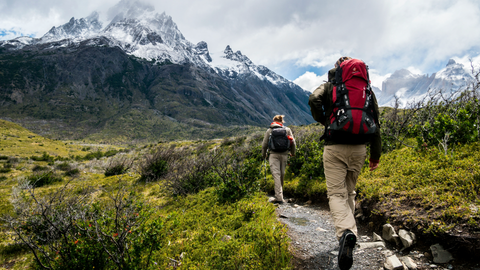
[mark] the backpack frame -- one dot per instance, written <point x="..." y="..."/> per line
<point x="353" y="120"/>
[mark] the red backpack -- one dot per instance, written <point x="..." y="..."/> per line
<point x="353" y="120"/>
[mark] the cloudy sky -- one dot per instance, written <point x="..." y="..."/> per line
<point x="298" y="39"/>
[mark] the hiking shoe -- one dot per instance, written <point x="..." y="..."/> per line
<point x="345" y="254"/>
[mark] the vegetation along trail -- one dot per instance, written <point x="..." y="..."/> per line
<point x="201" y="204"/>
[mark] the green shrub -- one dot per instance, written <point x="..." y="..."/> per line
<point x="72" y="172"/>
<point x="155" y="166"/>
<point x="238" y="177"/>
<point x="45" y="157"/>
<point x="44" y="178"/>
<point x="118" y="166"/>
<point x="38" y="168"/>
<point x="94" y="155"/>
<point x="66" y="231"/>
<point x="110" y="153"/>
<point x="204" y="234"/>
<point x="64" y="166"/>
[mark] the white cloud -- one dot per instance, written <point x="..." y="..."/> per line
<point x="377" y="79"/>
<point x="388" y="35"/>
<point x="415" y="70"/>
<point x="310" y="81"/>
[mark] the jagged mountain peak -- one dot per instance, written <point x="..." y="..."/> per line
<point x="409" y="87"/>
<point x="74" y="29"/>
<point x="236" y="56"/>
<point x="451" y="62"/>
<point x="202" y="50"/>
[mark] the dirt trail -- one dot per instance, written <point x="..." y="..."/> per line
<point x="316" y="247"/>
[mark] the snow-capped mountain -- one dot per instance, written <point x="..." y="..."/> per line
<point x="409" y="87"/>
<point x="140" y="31"/>
<point x="75" y="29"/>
<point x="97" y="70"/>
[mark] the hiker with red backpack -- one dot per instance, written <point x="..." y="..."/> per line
<point x="347" y="107"/>
<point x="279" y="141"/>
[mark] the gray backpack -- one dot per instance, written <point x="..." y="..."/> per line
<point x="278" y="141"/>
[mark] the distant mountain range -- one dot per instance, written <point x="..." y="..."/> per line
<point x="137" y="78"/>
<point x="409" y="87"/>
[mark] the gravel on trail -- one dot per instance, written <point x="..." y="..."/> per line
<point x="314" y="245"/>
<point x="313" y="239"/>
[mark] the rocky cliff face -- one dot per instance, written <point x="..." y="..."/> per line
<point x="141" y="67"/>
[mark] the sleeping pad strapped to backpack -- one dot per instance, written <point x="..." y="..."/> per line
<point x="353" y="120"/>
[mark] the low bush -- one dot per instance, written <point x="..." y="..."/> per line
<point x="118" y="166"/>
<point x="45" y="157"/>
<point x="155" y="165"/>
<point x="38" y="168"/>
<point x="43" y="178"/>
<point x="65" y="231"/>
<point x="5" y="170"/>
<point x="64" y="166"/>
<point x="72" y="172"/>
<point x="238" y="177"/>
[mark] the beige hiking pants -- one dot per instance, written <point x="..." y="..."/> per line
<point x="278" y="163"/>
<point x="343" y="164"/>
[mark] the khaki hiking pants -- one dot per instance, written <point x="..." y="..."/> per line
<point x="278" y="163"/>
<point x="343" y="164"/>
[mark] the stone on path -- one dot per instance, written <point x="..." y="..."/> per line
<point x="377" y="237"/>
<point x="440" y="255"/>
<point x="407" y="238"/>
<point x="393" y="263"/>
<point x="389" y="233"/>
<point x="365" y="245"/>
<point x="409" y="263"/>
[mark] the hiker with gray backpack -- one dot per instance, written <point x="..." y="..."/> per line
<point x="279" y="141"/>
<point x="347" y="107"/>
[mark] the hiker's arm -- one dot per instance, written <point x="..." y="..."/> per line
<point x="265" y="144"/>
<point x="316" y="103"/>
<point x="293" y="146"/>
<point x="376" y="143"/>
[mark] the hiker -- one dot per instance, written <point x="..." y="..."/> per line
<point x="345" y="149"/>
<point x="280" y="143"/>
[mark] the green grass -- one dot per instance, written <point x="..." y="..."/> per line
<point x="198" y="231"/>
<point x="422" y="190"/>
<point x="18" y="141"/>
<point x="437" y="193"/>
<point x="243" y="235"/>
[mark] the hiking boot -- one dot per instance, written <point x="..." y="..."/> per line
<point x="345" y="254"/>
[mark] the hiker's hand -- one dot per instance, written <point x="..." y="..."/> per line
<point x="373" y="165"/>
<point x="291" y="155"/>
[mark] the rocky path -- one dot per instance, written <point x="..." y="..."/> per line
<point x="316" y="247"/>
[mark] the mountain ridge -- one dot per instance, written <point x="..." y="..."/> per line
<point x="138" y="64"/>
<point x="410" y="88"/>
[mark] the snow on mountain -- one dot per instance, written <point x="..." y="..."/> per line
<point x="410" y="88"/>
<point x="137" y="29"/>
<point x="79" y="29"/>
